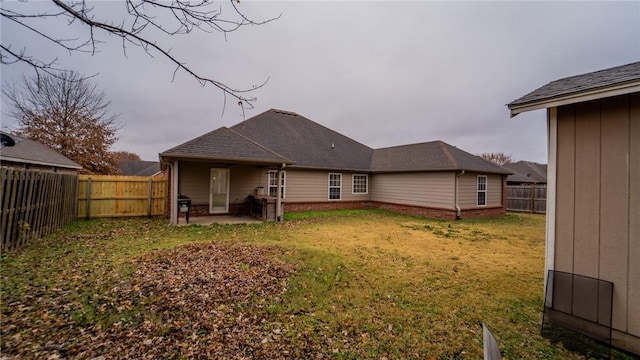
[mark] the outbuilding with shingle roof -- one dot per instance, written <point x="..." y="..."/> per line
<point x="593" y="202"/>
<point x="29" y="154"/>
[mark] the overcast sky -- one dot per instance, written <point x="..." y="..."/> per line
<point x="381" y="73"/>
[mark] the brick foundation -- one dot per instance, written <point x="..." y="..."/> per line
<point x="434" y="213"/>
<point x="203" y="210"/>
<point x="329" y="205"/>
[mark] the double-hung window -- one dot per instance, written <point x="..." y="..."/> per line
<point x="335" y="186"/>
<point x="482" y="190"/>
<point x="273" y="183"/>
<point x="360" y="184"/>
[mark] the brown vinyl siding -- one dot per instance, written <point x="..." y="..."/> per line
<point x="431" y="189"/>
<point x="313" y="186"/>
<point x="468" y="190"/>
<point x="598" y="199"/>
<point x="194" y="181"/>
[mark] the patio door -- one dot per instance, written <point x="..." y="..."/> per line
<point x="219" y="191"/>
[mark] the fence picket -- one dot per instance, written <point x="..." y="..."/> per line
<point x="37" y="203"/>
<point x="527" y="198"/>
<point x="121" y="196"/>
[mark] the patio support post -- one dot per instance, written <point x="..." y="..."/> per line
<point x="279" y="213"/>
<point x="173" y="206"/>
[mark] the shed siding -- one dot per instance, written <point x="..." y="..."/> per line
<point x="565" y="183"/>
<point x="634" y="217"/>
<point x="598" y="201"/>
<point x="432" y="189"/>
<point x="468" y="190"/>
<point x="587" y="201"/>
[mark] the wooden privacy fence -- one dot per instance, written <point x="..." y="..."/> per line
<point x="527" y="198"/>
<point x="35" y="203"/>
<point x="118" y="196"/>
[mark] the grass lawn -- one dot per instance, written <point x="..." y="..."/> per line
<point x="351" y="284"/>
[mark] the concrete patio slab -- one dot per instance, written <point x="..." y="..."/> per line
<point x="222" y="219"/>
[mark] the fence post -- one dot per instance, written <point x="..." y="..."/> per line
<point x="88" y="204"/>
<point x="532" y="202"/>
<point x="150" y="197"/>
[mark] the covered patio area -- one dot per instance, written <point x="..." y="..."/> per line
<point x="220" y="219"/>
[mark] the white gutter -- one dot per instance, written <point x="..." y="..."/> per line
<point x="35" y="162"/>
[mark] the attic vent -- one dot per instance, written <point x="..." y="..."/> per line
<point x="285" y="113"/>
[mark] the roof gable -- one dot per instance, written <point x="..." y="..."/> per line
<point x="226" y="144"/>
<point x="277" y="136"/>
<point x="527" y="171"/>
<point x="139" y="168"/>
<point x="308" y="143"/>
<point x="618" y="80"/>
<point x="32" y="152"/>
<point x="430" y="156"/>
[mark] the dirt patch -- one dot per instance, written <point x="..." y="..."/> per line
<point x="195" y="301"/>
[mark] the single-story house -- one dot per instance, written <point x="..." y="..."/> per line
<point x="526" y="173"/>
<point x="139" y="168"/>
<point x="593" y="204"/>
<point x="281" y="160"/>
<point x="29" y="154"/>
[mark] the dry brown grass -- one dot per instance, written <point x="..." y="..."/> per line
<point x="367" y="284"/>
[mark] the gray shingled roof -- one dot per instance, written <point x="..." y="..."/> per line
<point x="32" y="152"/>
<point x="308" y="143"/>
<point x="286" y="137"/>
<point x="527" y="171"/>
<point x="225" y="144"/>
<point x="430" y="156"/>
<point x="575" y="85"/>
<point x="139" y="168"/>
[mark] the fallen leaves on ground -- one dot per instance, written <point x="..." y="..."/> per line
<point x="195" y="301"/>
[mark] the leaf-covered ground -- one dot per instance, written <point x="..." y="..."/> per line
<point x="195" y="301"/>
<point x="333" y="285"/>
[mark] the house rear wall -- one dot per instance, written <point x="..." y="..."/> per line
<point x="194" y="181"/>
<point x="428" y="189"/>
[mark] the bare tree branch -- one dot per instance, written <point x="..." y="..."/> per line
<point x="187" y="16"/>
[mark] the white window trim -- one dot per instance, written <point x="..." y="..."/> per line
<point x="329" y="187"/>
<point x="283" y="185"/>
<point x="486" y="193"/>
<point x="353" y="184"/>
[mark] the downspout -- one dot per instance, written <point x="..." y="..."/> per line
<point x="455" y="195"/>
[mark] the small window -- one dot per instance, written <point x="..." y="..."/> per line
<point x="360" y="184"/>
<point x="273" y="183"/>
<point x="482" y="190"/>
<point x="335" y="186"/>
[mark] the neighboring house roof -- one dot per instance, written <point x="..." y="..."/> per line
<point x="309" y="144"/>
<point x="430" y="156"/>
<point x="139" y="168"/>
<point x="225" y="144"/>
<point x="277" y="136"/>
<point x="618" y="80"/>
<point x="527" y="172"/>
<point x="32" y="152"/>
